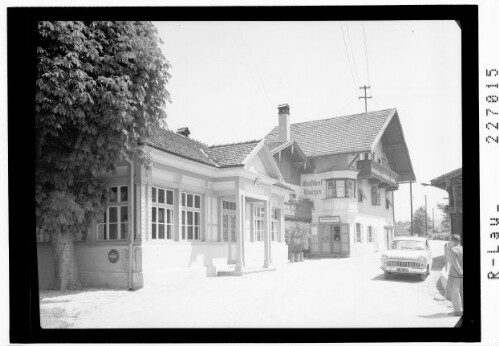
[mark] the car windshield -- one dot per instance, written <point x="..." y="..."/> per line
<point x="408" y="245"/>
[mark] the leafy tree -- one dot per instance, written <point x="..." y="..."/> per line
<point x="420" y="223"/>
<point x="100" y="88"/>
<point x="445" y="224"/>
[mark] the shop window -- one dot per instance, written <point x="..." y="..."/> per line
<point x="191" y="216"/>
<point x="375" y="195"/>
<point x="370" y="234"/>
<point x="259" y="223"/>
<point x="229" y="221"/>
<point x="340" y="188"/>
<point x="358" y="233"/>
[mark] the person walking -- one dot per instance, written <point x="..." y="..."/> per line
<point x="455" y="282"/>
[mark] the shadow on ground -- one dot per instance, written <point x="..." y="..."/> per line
<point x="411" y="279"/>
<point x="437" y="315"/>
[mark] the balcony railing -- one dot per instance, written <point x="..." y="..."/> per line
<point x="374" y="170"/>
<point x="298" y="210"/>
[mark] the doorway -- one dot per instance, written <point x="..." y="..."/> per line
<point x="334" y="240"/>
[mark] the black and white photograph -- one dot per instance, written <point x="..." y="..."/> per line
<point x="278" y="174"/>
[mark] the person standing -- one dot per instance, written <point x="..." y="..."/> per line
<point x="455" y="282"/>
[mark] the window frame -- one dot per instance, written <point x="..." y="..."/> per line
<point x="370" y="234"/>
<point x="184" y="216"/>
<point x="274" y="225"/>
<point x="228" y="215"/>
<point x="375" y="195"/>
<point x="169" y="208"/>
<point x="258" y="234"/>
<point x="119" y="204"/>
<point x="358" y="237"/>
<point x="333" y="192"/>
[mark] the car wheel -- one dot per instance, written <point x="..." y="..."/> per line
<point x="387" y="275"/>
<point x="422" y="277"/>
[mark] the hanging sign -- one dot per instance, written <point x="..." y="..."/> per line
<point x="113" y="256"/>
<point x="324" y="219"/>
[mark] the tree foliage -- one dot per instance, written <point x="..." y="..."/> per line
<point x="420" y="223"/>
<point x="100" y="87"/>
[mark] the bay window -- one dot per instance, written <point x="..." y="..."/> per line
<point x="340" y="188"/>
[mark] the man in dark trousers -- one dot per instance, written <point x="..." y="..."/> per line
<point x="455" y="282"/>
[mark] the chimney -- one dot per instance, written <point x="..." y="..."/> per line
<point x="284" y="126"/>
<point x="184" y="131"/>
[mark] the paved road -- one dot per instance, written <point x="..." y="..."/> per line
<point x="332" y="293"/>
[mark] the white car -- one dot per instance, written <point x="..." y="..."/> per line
<point x="407" y="255"/>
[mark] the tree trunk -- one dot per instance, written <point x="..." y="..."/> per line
<point x="66" y="268"/>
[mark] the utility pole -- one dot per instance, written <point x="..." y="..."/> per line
<point x="425" y="216"/>
<point x="365" y="97"/>
<point x="412" y="221"/>
<point x="433" y="219"/>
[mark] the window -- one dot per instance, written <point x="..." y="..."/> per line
<point x="358" y="233"/>
<point x="259" y="223"/>
<point x="370" y="234"/>
<point x="112" y="224"/>
<point x="360" y="194"/>
<point x="229" y="221"/>
<point x="191" y="216"/>
<point x="274" y="234"/>
<point x="162" y="213"/>
<point x="375" y="195"/>
<point x="340" y="188"/>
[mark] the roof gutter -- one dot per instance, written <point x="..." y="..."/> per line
<point x="131" y="226"/>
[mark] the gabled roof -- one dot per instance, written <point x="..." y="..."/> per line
<point x="230" y="155"/>
<point x="348" y="134"/>
<point x="441" y="181"/>
<point x="344" y="134"/>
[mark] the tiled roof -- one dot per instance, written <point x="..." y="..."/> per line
<point x="179" y="145"/>
<point x="225" y="155"/>
<point x="228" y="155"/>
<point x="351" y="133"/>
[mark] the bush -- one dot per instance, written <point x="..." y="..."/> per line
<point x="297" y="236"/>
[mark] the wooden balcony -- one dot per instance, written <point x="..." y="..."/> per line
<point x="298" y="210"/>
<point x="378" y="174"/>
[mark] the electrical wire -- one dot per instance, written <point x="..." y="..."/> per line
<point x="353" y="55"/>
<point x="365" y="53"/>
<point x="355" y="85"/>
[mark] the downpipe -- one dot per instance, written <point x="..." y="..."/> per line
<point x="131" y="220"/>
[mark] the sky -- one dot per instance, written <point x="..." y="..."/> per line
<point x="229" y="77"/>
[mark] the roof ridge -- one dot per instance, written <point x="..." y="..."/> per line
<point x="234" y="143"/>
<point x="182" y="136"/>
<point x="342" y="116"/>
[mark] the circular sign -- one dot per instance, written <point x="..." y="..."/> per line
<point x="113" y="256"/>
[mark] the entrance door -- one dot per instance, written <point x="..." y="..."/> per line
<point x="325" y="244"/>
<point x="336" y="239"/>
<point x="341" y="242"/>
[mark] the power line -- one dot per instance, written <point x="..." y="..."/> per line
<point x="348" y="57"/>
<point x="353" y="55"/>
<point x="365" y="52"/>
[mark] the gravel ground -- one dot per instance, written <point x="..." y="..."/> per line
<point x="332" y="293"/>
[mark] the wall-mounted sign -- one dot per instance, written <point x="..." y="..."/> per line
<point x="314" y="229"/>
<point x="113" y="256"/>
<point x="312" y="187"/>
<point x="324" y="219"/>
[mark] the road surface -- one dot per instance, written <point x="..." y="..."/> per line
<point x="318" y="293"/>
